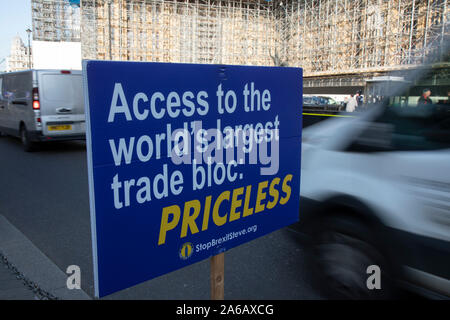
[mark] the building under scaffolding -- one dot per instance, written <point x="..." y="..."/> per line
<point x="55" y="20"/>
<point x="325" y="37"/>
<point x="228" y="32"/>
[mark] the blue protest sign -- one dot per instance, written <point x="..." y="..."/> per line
<point x="186" y="161"/>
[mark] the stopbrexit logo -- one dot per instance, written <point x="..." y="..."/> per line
<point x="186" y="250"/>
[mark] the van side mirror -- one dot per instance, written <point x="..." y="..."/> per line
<point x="376" y="137"/>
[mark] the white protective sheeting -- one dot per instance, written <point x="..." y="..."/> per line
<point x="56" y="55"/>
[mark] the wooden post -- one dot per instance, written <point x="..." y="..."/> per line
<point x="217" y="276"/>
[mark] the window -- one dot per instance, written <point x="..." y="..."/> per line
<point x="59" y="87"/>
<point x="17" y="86"/>
<point x="417" y="119"/>
<point x="418" y="128"/>
<point x="420" y="117"/>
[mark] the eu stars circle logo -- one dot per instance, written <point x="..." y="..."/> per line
<point x="186" y="250"/>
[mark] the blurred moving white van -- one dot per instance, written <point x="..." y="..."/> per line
<point x="375" y="194"/>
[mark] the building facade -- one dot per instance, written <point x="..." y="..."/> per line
<point x="19" y="57"/>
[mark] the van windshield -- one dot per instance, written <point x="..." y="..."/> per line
<point x="63" y="87"/>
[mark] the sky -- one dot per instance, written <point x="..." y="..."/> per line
<point x="15" y="18"/>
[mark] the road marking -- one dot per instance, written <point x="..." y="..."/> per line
<point x="327" y="115"/>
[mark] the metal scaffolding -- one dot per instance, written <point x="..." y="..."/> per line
<point x="229" y="32"/>
<point x="352" y="36"/>
<point x="325" y="37"/>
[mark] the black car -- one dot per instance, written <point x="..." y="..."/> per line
<point x="321" y="103"/>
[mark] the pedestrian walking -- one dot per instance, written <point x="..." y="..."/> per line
<point x="352" y="104"/>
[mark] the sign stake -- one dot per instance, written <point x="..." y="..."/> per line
<point x="217" y="276"/>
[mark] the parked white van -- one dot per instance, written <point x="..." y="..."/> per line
<point x="42" y="105"/>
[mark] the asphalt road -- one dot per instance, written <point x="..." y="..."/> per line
<point x="45" y="195"/>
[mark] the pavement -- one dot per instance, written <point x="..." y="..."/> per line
<point x="12" y="286"/>
<point x="29" y="273"/>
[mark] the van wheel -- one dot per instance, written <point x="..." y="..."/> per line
<point x="344" y="248"/>
<point x="28" y="145"/>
